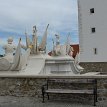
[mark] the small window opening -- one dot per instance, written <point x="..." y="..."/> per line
<point x="93" y="30"/>
<point x="95" y="51"/>
<point x="92" y="10"/>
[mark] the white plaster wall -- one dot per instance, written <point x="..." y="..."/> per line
<point x="89" y="40"/>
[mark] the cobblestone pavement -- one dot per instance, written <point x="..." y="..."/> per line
<point x="10" y="101"/>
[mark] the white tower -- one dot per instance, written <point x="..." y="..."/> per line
<point x="93" y="30"/>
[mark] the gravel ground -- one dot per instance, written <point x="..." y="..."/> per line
<point x="11" y="101"/>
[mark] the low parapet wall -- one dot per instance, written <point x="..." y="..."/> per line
<point x="21" y="86"/>
<point x="32" y="87"/>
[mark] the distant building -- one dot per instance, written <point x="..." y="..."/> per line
<point x="92" y="30"/>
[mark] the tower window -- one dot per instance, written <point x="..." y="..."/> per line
<point x="92" y="10"/>
<point x="95" y="51"/>
<point x="93" y="30"/>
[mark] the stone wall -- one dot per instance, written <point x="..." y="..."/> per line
<point x="32" y="87"/>
<point x="94" y="66"/>
<point x="21" y="86"/>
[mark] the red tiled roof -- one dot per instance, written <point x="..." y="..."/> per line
<point x="76" y="49"/>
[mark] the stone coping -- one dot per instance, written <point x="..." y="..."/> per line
<point x="90" y="75"/>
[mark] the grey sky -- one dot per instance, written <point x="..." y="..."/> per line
<point x="16" y="15"/>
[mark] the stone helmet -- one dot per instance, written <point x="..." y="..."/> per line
<point x="10" y="40"/>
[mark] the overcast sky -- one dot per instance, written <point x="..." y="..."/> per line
<point x="18" y="15"/>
